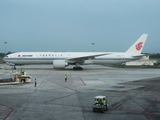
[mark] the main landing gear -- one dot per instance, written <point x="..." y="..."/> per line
<point x="14" y="67"/>
<point x="77" y="67"/>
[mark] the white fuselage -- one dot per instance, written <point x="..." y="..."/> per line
<point x="23" y="58"/>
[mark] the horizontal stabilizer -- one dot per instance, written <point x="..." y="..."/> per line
<point x="141" y="55"/>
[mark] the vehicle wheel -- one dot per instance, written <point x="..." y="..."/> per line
<point x="102" y="110"/>
<point x="106" y="108"/>
<point x="74" y="68"/>
<point x="93" y="110"/>
<point x="81" y="68"/>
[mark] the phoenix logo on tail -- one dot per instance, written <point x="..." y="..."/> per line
<point x="139" y="46"/>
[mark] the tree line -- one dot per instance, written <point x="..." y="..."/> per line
<point x="3" y="54"/>
<point x="154" y="55"/>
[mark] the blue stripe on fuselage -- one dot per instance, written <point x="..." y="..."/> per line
<point x="10" y="59"/>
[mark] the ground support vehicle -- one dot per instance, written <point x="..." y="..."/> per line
<point x="99" y="106"/>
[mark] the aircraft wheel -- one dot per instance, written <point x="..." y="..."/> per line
<point x="77" y="68"/>
<point x="81" y="68"/>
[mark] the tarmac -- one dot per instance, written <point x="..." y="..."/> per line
<point x="132" y="93"/>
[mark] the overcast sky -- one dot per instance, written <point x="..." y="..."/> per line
<point x="73" y="25"/>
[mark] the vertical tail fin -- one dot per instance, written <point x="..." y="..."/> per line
<point x="137" y="47"/>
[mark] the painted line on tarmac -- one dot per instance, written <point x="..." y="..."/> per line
<point x="144" y="112"/>
<point x="82" y="81"/>
<point x="150" y="105"/>
<point x="65" y="86"/>
<point x="16" y="94"/>
<point x="73" y="105"/>
<point x="9" y="112"/>
<point x="78" y="85"/>
<point x="120" y="103"/>
<point x="59" y="98"/>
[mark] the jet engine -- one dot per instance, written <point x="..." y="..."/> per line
<point x="11" y="64"/>
<point x="59" y="64"/>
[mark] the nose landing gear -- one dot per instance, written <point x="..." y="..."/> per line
<point x="14" y="67"/>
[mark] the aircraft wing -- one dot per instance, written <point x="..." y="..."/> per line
<point x="82" y="58"/>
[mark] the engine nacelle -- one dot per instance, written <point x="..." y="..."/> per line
<point x="59" y="64"/>
<point x="11" y="64"/>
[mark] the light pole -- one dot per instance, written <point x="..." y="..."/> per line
<point x="5" y="47"/>
<point x="93" y="47"/>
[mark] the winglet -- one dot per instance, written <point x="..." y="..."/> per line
<point x="137" y="47"/>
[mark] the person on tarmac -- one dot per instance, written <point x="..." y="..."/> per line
<point x="96" y="101"/>
<point x="104" y="102"/>
<point x="22" y="71"/>
<point x="35" y="83"/>
<point x="65" y="77"/>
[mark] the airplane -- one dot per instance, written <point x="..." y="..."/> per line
<point x="60" y="60"/>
